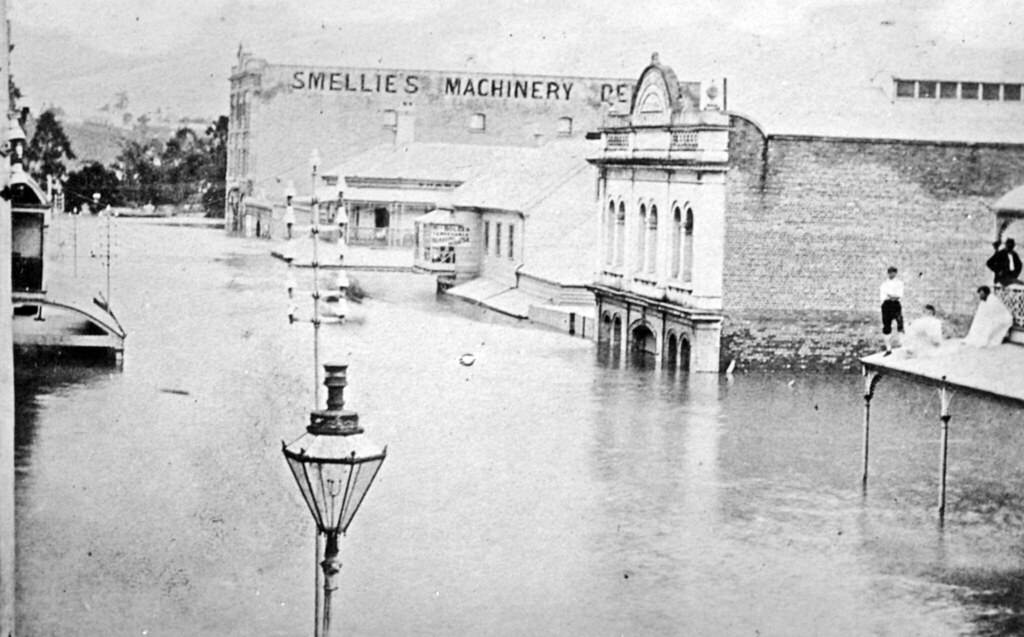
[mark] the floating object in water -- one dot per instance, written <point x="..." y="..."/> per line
<point x="467" y="360"/>
<point x="179" y="392"/>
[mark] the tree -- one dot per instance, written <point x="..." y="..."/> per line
<point x="216" y="167"/>
<point x="49" y="149"/>
<point x="140" y="174"/>
<point x="92" y="178"/>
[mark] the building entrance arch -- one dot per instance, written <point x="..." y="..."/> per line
<point x="643" y="339"/>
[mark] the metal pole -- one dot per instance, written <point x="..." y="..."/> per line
<point x="331" y="566"/>
<point x="870" y="380"/>
<point x="944" y="399"/>
<point x="75" y="233"/>
<point x="316" y="294"/>
<point x="7" y="536"/>
<point x="318" y="601"/>
<point x="108" y="259"/>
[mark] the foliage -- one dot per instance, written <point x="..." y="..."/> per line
<point x="186" y="169"/>
<point x="92" y="178"/>
<point x="49" y="149"/>
<point x="217" y="167"/>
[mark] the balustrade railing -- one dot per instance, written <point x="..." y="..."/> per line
<point x="391" y="237"/>
<point x="618" y="141"/>
<point x="1013" y="296"/>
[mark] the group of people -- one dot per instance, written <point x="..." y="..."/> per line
<point x="923" y="336"/>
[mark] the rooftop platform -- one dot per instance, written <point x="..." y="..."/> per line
<point x="993" y="371"/>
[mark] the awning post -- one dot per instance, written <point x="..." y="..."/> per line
<point x="944" y="399"/>
<point x="870" y="380"/>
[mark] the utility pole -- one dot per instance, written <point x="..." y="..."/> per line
<point x="7" y="551"/>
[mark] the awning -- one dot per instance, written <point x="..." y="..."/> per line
<point x="387" y="195"/>
<point x="1011" y="204"/>
<point x="995" y="371"/>
<point x="437" y="216"/>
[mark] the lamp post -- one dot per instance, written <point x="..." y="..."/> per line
<point x="314" y="165"/>
<point x="334" y="466"/>
<point x="106" y="259"/>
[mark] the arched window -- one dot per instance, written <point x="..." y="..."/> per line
<point x="609" y="234"/>
<point x="620" y="234"/>
<point x="651" y="249"/>
<point x="639" y="256"/>
<point x="677" y="242"/>
<point x="688" y="246"/>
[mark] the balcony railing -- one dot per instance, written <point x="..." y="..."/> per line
<point x="618" y="141"/>
<point x="381" y="237"/>
<point x="1013" y="296"/>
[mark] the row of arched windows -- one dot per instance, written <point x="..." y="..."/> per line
<point x="644" y="255"/>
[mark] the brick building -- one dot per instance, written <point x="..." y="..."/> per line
<point x="280" y="112"/>
<point x="819" y="201"/>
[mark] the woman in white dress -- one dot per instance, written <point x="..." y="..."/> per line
<point x="992" y="321"/>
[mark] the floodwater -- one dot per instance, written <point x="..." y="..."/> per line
<point x="548" y="489"/>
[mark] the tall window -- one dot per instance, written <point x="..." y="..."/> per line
<point x="609" y="234"/>
<point x="487" y="236"/>
<point x="688" y="246"/>
<point x="497" y="239"/>
<point x="511" y="241"/>
<point x="640" y="234"/>
<point x="620" y="234"/>
<point x="651" y="250"/>
<point x="677" y="242"/>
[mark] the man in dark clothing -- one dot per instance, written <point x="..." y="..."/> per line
<point x="1005" y="263"/>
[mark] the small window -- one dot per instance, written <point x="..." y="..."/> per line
<point x="511" y="241"/>
<point x="947" y="90"/>
<point x="969" y="91"/>
<point x="565" y="126"/>
<point x="926" y="89"/>
<point x="989" y="91"/>
<point x="904" y="88"/>
<point x="477" y="122"/>
<point x="497" y="239"/>
<point x="487" y="236"/>
<point x="390" y="118"/>
<point x="1011" y="92"/>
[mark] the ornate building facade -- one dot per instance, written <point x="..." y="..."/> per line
<point x="662" y="194"/>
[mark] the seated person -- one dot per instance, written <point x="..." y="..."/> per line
<point x="992" y="321"/>
<point x="924" y="334"/>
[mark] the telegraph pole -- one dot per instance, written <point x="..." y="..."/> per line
<point x="6" y="353"/>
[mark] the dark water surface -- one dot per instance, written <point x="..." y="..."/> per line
<point x="549" y="489"/>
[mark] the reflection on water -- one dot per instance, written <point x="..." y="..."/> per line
<point x="551" y="488"/>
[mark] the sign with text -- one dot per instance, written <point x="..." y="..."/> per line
<point x="448" y="234"/>
<point x="459" y="85"/>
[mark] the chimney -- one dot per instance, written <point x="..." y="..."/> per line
<point x="405" y="124"/>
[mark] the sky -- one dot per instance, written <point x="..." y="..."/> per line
<point x="78" y="53"/>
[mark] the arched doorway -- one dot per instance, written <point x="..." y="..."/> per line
<point x="684" y="354"/>
<point x="644" y="341"/>
<point x="671" y="350"/>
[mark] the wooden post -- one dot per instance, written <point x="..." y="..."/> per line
<point x="7" y="550"/>
<point x="944" y="398"/>
<point x="870" y="380"/>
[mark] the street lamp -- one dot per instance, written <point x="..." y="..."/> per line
<point x="334" y="466"/>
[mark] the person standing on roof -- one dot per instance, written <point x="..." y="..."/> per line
<point x="891" y="294"/>
<point x="1005" y="263"/>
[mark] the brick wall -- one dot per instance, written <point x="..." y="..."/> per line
<point x="812" y="224"/>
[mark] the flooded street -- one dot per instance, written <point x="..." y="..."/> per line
<point x="548" y="489"/>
